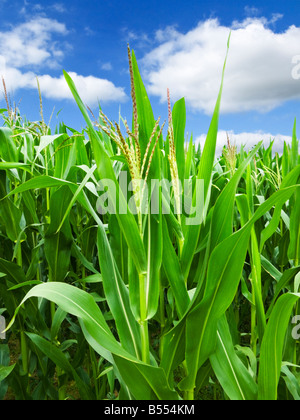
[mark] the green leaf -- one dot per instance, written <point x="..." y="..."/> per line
<point x="179" y="121"/>
<point x="222" y="221"/>
<point x="189" y="159"/>
<point x="145" y="119"/>
<point x="14" y="165"/>
<point x="14" y="271"/>
<point x="126" y="221"/>
<point x="154" y="239"/>
<point x="292" y="383"/>
<point x="230" y="371"/>
<point x="294" y="247"/>
<point x="58" y="243"/>
<point x="75" y="196"/>
<point x="8" y="149"/>
<point x="204" y="173"/>
<point x="223" y="276"/>
<point x="40" y="182"/>
<point x="294" y="153"/>
<point x="45" y="141"/>
<point x="145" y="382"/>
<point x="5" y="371"/>
<point x="58" y="357"/>
<point x="10" y="214"/>
<point x="290" y="179"/>
<point x="117" y="296"/>
<point x="26" y="283"/>
<point x="58" y="253"/>
<point x="65" y="156"/>
<point x="143" y="379"/>
<point x="174" y="274"/>
<point x="272" y="347"/>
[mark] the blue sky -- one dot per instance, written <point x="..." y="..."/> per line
<point x="179" y="45"/>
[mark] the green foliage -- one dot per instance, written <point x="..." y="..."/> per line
<point x="146" y="306"/>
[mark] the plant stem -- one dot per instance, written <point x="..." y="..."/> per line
<point x="295" y="361"/>
<point x="24" y="348"/>
<point x="92" y="364"/>
<point x="52" y="304"/>
<point x="143" y="321"/>
<point x="162" y="308"/>
<point x="24" y="352"/>
<point x="189" y="395"/>
<point x="61" y="387"/>
<point x="253" y="328"/>
<point x="161" y="316"/>
<point x="19" y="255"/>
<point x="47" y="191"/>
<point x="145" y="342"/>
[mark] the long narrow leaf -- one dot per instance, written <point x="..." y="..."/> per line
<point x="272" y="347"/>
<point x="145" y="379"/>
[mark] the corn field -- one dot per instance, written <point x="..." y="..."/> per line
<point x="102" y="300"/>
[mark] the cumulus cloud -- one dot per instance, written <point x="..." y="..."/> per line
<point x="37" y="46"/>
<point x="58" y="7"/>
<point x="258" y="74"/>
<point x="29" y="8"/>
<point x="90" y="88"/>
<point x="248" y="140"/>
<point x="31" y="43"/>
<point x="106" y="66"/>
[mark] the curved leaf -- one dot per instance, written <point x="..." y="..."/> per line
<point x="272" y="347"/>
<point x="235" y="379"/>
<point x="146" y="379"/>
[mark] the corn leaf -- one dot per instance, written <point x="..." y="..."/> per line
<point x="174" y="273"/>
<point x="118" y="297"/>
<point x="126" y="221"/>
<point x="8" y="149"/>
<point x="59" y="358"/>
<point x="236" y="380"/>
<point x="272" y="347"/>
<point x="179" y="121"/>
<point x="204" y="173"/>
<point x="223" y="276"/>
<point x="144" y="379"/>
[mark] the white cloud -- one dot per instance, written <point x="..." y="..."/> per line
<point x="90" y="88"/>
<point x="258" y="74"/>
<point x="58" y="7"/>
<point x="251" y="11"/>
<point x="88" y="31"/>
<point x="141" y="39"/>
<point x="31" y="43"/>
<point x="15" y="79"/>
<point x="29" y="8"/>
<point x="37" y="46"/>
<point x="249" y="140"/>
<point x="106" y="66"/>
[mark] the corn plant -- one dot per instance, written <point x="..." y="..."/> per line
<point x="127" y="299"/>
